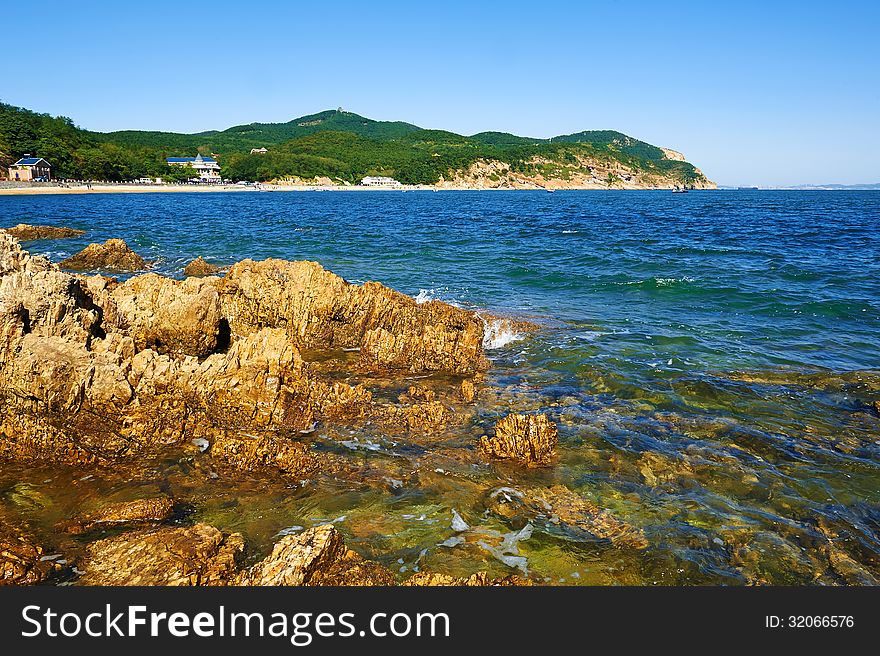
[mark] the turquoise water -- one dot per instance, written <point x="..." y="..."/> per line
<point x="710" y="357"/>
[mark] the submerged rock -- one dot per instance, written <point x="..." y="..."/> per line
<point x="467" y="391"/>
<point x="320" y="310"/>
<point x="529" y="439"/>
<point x="559" y="507"/>
<point x="112" y="255"/>
<point x="26" y="232"/>
<point x="154" y="510"/>
<point x="22" y="560"/>
<point x="198" y="267"/>
<point x="195" y="555"/>
<point x="480" y="579"/>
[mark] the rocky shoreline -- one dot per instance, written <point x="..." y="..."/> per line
<point x="223" y="372"/>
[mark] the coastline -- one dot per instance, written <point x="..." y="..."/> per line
<point x="32" y="190"/>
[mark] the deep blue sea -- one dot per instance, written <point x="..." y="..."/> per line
<point x="711" y="357"/>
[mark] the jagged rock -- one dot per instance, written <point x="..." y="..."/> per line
<point x="529" y="439"/>
<point x="22" y="559"/>
<point x="94" y="371"/>
<point x="480" y="579"/>
<point x="112" y="255"/>
<point x="154" y="510"/>
<point x="61" y="401"/>
<point x="26" y="232"/>
<point x="316" y="557"/>
<point x="169" y="316"/>
<point x="259" y="452"/>
<point x="36" y="298"/>
<point x="320" y="310"/>
<point x="418" y="393"/>
<point x="196" y="555"/>
<point x="198" y="267"/>
<point x="557" y="506"/>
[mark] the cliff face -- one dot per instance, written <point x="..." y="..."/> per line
<point x="582" y="173"/>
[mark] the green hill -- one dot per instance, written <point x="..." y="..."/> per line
<point x="344" y="147"/>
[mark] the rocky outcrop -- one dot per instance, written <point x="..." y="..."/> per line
<point x="202" y="555"/>
<point x="320" y="310"/>
<point x="112" y="255"/>
<point x="316" y="557"/>
<point x="181" y="317"/>
<point x="578" y="171"/>
<point x="22" y="560"/>
<point x="529" y="439"/>
<point x="179" y="556"/>
<point x="562" y="509"/>
<point x="154" y="510"/>
<point x="198" y="267"/>
<point x="26" y="232"/>
<point x="93" y="371"/>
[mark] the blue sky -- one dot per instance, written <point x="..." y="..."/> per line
<point x="752" y="92"/>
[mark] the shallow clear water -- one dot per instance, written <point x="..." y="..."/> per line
<point x="710" y="358"/>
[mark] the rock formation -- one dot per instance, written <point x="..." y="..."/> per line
<point x="196" y="555"/>
<point x="203" y="555"/>
<point x="112" y="255"/>
<point x="92" y="371"/>
<point x="154" y="510"/>
<point x="318" y="309"/>
<point x="529" y="439"/>
<point x="180" y="317"/>
<point x="98" y="372"/>
<point x="26" y="232"/>
<point x="316" y="557"/>
<point x="478" y="580"/>
<point x="198" y="267"/>
<point x="22" y="559"/>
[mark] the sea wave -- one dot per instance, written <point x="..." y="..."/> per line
<point x="443" y="294"/>
<point x="658" y="282"/>
<point x="499" y="333"/>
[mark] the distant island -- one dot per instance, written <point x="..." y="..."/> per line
<point x="338" y="147"/>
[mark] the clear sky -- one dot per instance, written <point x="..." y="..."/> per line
<point x="770" y="92"/>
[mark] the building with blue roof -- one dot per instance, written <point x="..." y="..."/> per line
<point x="29" y="169"/>
<point x="207" y="168"/>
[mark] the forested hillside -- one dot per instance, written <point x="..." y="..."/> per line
<point x="341" y="146"/>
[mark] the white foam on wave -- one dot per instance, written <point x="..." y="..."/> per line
<point x="498" y="333"/>
<point x="442" y="294"/>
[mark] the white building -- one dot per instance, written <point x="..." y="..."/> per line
<point x="259" y="151"/>
<point x="207" y="168"/>
<point x="379" y="181"/>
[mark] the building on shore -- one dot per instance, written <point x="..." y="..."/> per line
<point x="206" y="168"/>
<point x="259" y="151"/>
<point x="379" y="181"/>
<point x="30" y="169"/>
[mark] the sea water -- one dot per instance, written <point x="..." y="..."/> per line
<point x="711" y="359"/>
